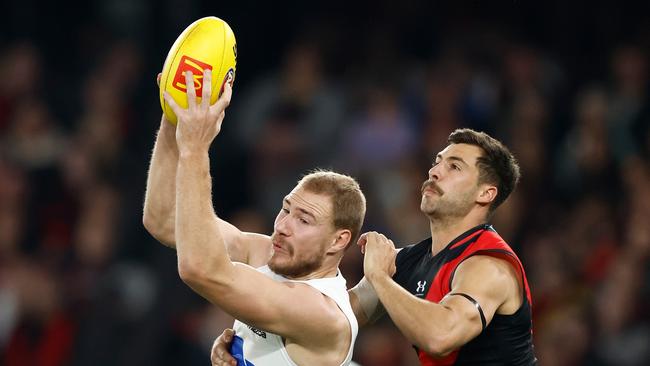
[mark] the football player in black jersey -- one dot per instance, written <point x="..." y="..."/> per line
<point x="460" y="296"/>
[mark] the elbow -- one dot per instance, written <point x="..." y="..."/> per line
<point x="439" y="346"/>
<point x="150" y="222"/>
<point x="190" y="272"/>
<point x="193" y="272"/>
<point x="156" y="229"/>
<point x="196" y="274"/>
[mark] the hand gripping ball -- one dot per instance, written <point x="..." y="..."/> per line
<point x="208" y="43"/>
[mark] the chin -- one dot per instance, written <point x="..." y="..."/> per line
<point x="427" y="208"/>
<point x="290" y="268"/>
<point x="282" y="266"/>
<point x="277" y="268"/>
<point x="277" y="264"/>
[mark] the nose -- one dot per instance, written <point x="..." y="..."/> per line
<point x="434" y="173"/>
<point x="281" y="225"/>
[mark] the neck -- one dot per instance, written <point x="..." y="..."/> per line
<point x="443" y="231"/>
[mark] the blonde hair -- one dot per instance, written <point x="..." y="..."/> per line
<point x="348" y="202"/>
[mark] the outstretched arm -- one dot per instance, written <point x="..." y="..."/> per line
<point x="159" y="214"/>
<point x="160" y="198"/>
<point x="203" y="261"/>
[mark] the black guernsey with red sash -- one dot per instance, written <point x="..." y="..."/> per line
<point x="507" y="340"/>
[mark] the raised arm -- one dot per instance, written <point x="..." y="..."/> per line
<point x="440" y="328"/>
<point x="160" y="198"/>
<point x="159" y="213"/>
<point x="203" y="261"/>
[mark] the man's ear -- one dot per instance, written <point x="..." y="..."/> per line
<point x="340" y="242"/>
<point x="487" y="194"/>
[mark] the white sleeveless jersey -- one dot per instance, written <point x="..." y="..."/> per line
<point x="262" y="348"/>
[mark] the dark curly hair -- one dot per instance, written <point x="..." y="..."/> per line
<point x="497" y="165"/>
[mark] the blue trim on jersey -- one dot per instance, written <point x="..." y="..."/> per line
<point x="237" y="351"/>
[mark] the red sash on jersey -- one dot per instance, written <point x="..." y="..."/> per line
<point x="488" y="243"/>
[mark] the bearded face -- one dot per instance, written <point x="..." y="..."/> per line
<point x="452" y="188"/>
<point x="455" y="203"/>
<point x="303" y="231"/>
<point x="292" y="263"/>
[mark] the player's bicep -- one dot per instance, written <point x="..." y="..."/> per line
<point x="480" y="286"/>
<point x="284" y="308"/>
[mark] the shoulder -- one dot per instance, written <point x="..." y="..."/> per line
<point x="486" y="271"/>
<point x="324" y="309"/>
<point x="331" y="293"/>
<point x="490" y="239"/>
<point x="488" y="265"/>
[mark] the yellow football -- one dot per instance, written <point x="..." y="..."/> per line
<point x="208" y="43"/>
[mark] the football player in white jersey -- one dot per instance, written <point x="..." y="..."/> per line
<point x="285" y="290"/>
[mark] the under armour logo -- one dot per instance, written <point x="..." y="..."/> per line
<point x="421" y="285"/>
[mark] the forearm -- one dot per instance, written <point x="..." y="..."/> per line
<point x="425" y="324"/>
<point x="365" y="303"/>
<point x="160" y="198"/>
<point x="200" y="245"/>
<point x="159" y="214"/>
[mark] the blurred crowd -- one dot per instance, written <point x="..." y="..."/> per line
<point x="81" y="283"/>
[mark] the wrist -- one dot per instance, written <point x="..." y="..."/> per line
<point x="167" y="132"/>
<point x="192" y="153"/>
<point x="376" y="276"/>
<point x="167" y="126"/>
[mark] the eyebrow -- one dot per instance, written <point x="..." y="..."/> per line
<point x="286" y="200"/>
<point x="454" y="158"/>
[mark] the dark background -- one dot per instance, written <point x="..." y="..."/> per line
<point x="368" y="88"/>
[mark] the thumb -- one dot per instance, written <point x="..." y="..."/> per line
<point x="226" y="95"/>
<point x="228" y="334"/>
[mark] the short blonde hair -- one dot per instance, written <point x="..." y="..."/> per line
<point x="348" y="201"/>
